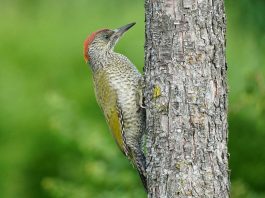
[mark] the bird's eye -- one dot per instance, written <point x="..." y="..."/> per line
<point x="106" y="36"/>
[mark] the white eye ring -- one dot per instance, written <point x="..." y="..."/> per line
<point x="106" y="36"/>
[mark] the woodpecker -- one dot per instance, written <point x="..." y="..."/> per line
<point x="118" y="89"/>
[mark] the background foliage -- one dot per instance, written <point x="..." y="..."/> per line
<point x="54" y="142"/>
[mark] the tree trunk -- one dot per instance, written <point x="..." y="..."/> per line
<point x="186" y="99"/>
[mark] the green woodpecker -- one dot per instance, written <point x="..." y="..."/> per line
<point x="118" y="89"/>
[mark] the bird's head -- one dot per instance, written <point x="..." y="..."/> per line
<point x="103" y="40"/>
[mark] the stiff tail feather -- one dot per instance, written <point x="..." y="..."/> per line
<point x="140" y="164"/>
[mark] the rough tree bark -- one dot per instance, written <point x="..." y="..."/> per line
<point x="186" y="99"/>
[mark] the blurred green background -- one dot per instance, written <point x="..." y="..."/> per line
<point x="54" y="142"/>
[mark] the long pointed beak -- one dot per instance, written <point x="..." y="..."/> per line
<point x="119" y="31"/>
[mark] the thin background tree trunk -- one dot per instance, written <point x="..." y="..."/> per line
<point x="186" y="99"/>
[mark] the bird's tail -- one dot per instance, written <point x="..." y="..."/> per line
<point x="140" y="163"/>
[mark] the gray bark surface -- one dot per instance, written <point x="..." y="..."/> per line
<point x="186" y="99"/>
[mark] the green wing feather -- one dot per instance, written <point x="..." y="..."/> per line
<point x="108" y="101"/>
